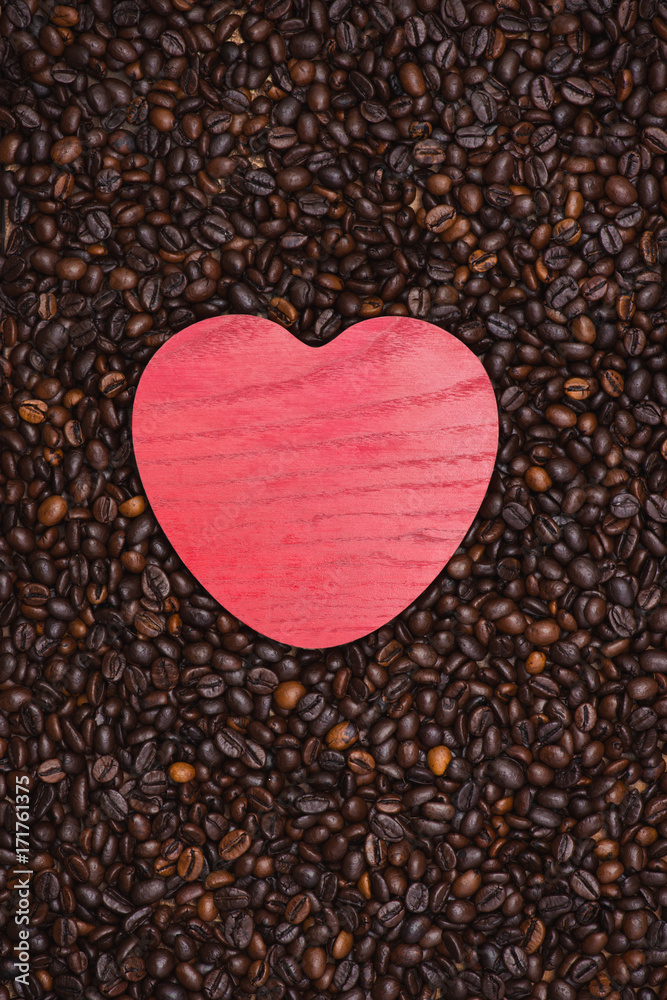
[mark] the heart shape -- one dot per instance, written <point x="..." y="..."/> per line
<point x="315" y="492"/>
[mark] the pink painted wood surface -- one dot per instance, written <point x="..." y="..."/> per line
<point x="315" y="492"/>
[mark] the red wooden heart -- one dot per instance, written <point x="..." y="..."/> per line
<point x="315" y="492"/>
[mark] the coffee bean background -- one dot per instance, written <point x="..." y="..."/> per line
<point x="472" y="801"/>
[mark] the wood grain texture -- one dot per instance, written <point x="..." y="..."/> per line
<point x="315" y="492"/>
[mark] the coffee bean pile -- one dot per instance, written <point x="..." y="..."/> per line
<point x="472" y="801"/>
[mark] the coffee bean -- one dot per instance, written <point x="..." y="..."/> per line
<point x="233" y="845"/>
<point x="50" y="771"/>
<point x="585" y="885"/>
<point x="190" y="864"/>
<point x="230" y="898"/>
<point x="105" y="768"/>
